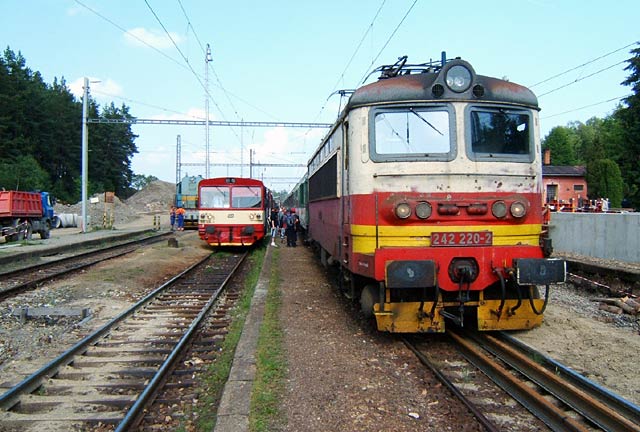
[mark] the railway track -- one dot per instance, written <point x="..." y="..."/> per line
<point x="21" y="279"/>
<point x="113" y="375"/>
<point x="554" y="394"/>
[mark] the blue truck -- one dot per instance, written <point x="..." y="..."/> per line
<point x="25" y="213"/>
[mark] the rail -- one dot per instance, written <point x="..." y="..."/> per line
<point x="578" y="393"/>
<point x="174" y="295"/>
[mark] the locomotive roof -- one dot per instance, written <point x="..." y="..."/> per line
<point x="418" y="87"/>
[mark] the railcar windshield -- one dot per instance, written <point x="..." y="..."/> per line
<point x="411" y="133"/>
<point x="230" y="197"/>
<point x="246" y="197"/>
<point x="500" y="133"/>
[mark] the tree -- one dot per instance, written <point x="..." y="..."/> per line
<point x="23" y="173"/>
<point x="112" y="147"/>
<point x="562" y="142"/>
<point x="629" y="118"/>
<point x="44" y="122"/>
<point x="605" y="181"/>
<point x="140" y="181"/>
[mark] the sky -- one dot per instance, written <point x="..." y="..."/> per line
<point x="280" y="61"/>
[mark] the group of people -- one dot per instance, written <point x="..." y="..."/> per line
<point x="176" y="217"/>
<point x="284" y="223"/>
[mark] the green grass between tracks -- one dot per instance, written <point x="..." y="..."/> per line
<point x="271" y="364"/>
<point x="213" y="382"/>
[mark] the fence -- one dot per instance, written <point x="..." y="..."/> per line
<point x="614" y="236"/>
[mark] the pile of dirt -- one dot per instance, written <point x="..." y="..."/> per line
<point x="155" y="198"/>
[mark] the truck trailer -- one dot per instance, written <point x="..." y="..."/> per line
<point x="25" y="213"/>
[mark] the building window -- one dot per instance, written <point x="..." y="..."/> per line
<point x="552" y="192"/>
<point x="578" y="188"/>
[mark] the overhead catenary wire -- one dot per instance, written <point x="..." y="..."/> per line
<point x="184" y="57"/>
<point x="169" y="110"/>
<point x="580" y="79"/>
<point x="355" y="52"/>
<point x="186" y="66"/>
<point x="584" y="107"/>
<point x="369" y="27"/>
<point x="189" y="25"/>
<point x="202" y="49"/>
<point x="583" y="64"/>
<point x="186" y="60"/>
<point x="142" y="41"/>
<point x="387" y="42"/>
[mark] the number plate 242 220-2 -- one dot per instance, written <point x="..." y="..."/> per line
<point x="463" y="238"/>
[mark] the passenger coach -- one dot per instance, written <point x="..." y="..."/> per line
<point x="427" y="194"/>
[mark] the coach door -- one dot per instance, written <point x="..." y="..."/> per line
<point x="345" y="201"/>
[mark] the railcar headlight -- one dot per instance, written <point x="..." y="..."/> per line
<point x="403" y="210"/>
<point x="423" y="210"/>
<point x="458" y="78"/>
<point x="518" y="209"/>
<point x="499" y="209"/>
<point x="252" y="216"/>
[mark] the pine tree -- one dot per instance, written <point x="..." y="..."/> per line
<point x="629" y="117"/>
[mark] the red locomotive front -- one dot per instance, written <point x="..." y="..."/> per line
<point x="427" y="192"/>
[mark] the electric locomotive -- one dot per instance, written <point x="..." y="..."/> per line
<point x="427" y="192"/>
<point x="233" y="211"/>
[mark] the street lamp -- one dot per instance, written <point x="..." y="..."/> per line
<point x="85" y="151"/>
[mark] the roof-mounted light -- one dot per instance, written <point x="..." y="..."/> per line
<point x="458" y="78"/>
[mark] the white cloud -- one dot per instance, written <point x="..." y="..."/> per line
<point x="74" y="10"/>
<point x="140" y="36"/>
<point x="101" y="90"/>
<point x="276" y="141"/>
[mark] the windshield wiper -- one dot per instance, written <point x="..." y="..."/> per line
<point x="426" y="121"/>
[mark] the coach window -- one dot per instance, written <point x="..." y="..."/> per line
<point x="412" y="134"/>
<point x="500" y="134"/>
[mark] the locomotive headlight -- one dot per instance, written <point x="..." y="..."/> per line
<point x="518" y="209"/>
<point x="458" y="78"/>
<point x="403" y="210"/>
<point x="499" y="209"/>
<point x="252" y="216"/>
<point x="423" y="210"/>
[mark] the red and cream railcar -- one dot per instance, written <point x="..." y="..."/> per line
<point x="233" y="211"/>
<point x="427" y="191"/>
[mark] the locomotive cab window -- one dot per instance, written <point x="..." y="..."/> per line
<point x="412" y="134"/>
<point x="500" y="134"/>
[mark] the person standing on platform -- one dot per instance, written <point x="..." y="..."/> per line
<point x="292" y="227"/>
<point x="180" y="216"/>
<point x="275" y="223"/>
<point x="172" y="217"/>
<point x="282" y="215"/>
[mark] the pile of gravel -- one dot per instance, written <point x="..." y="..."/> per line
<point x="156" y="198"/>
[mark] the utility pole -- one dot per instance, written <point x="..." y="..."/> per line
<point x="85" y="153"/>
<point x="250" y="163"/>
<point x="241" y="149"/>
<point x="207" y="59"/>
<point x="178" y="158"/>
